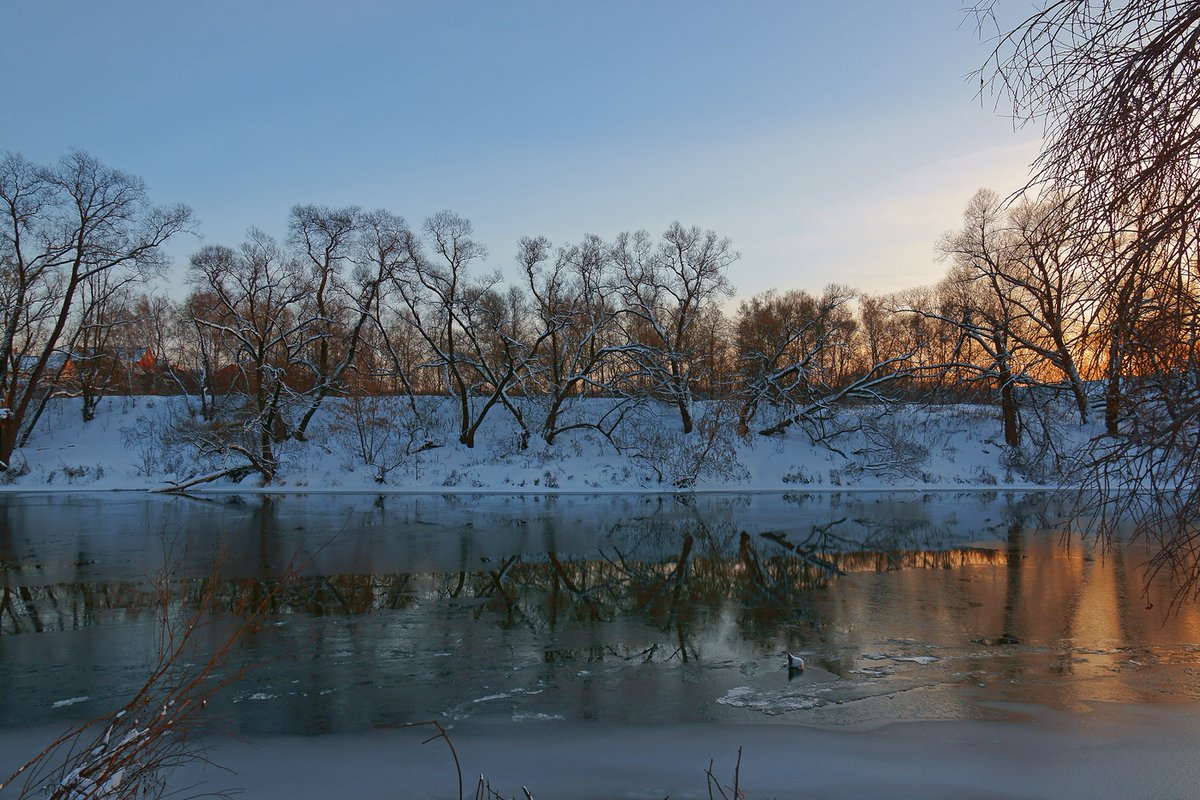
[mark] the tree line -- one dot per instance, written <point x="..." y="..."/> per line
<point x="354" y="303"/>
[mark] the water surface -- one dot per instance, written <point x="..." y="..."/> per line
<point x="626" y="610"/>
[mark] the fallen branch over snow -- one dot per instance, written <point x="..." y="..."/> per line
<point x="237" y="473"/>
<point x="866" y="387"/>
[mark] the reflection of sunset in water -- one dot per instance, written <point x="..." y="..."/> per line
<point x="1041" y="619"/>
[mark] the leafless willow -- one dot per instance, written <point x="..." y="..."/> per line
<point x="1116" y="87"/>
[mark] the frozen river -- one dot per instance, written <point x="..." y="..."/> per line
<point x="610" y="645"/>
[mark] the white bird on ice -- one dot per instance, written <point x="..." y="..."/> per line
<point x="795" y="663"/>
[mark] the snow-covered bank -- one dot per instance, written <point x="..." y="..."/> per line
<point x="135" y="443"/>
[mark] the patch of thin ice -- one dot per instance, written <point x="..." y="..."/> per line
<point x="523" y="716"/>
<point x="504" y="695"/>
<point x="70" y="701"/>
<point x="873" y="673"/>
<point x="770" y="703"/>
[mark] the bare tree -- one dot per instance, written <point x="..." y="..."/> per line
<point x="256" y="294"/>
<point x="95" y="350"/>
<point x="1047" y="283"/>
<point x="499" y="347"/>
<point x="165" y="328"/>
<point x="341" y="306"/>
<point x="664" y="290"/>
<point x="976" y="299"/>
<point x="784" y="346"/>
<point x="63" y="226"/>
<point x="795" y="352"/>
<point x="385" y="248"/>
<point x="203" y="348"/>
<point x="1117" y="88"/>
<point x="462" y="321"/>
<point x="98" y="356"/>
<point x="322" y="238"/>
<point x="575" y="321"/>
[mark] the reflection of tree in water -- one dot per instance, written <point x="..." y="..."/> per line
<point x="542" y="602"/>
<point x="665" y="575"/>
<point x="674" y="572"/>
<point x="70" y="606"/>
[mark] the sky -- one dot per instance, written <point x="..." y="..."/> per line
<point x="832" y="142"/>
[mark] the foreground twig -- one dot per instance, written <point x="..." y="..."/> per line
<point x="130" y="753"/>
<point x="441" y="734"/>
<point x="735" y="789"/>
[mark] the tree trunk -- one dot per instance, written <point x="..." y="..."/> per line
<point x="685" y="414"/>
<point x="745" y="415"/>
<point x="89" y="402"/>
<point x="264" y="440"/>
<point x="550" y="426"/>
<point x="1112" y="405"/>
<point x="465" y="433"/>
<point x="8" y="441"/>
<point x="1112" y="390"/>
<point x="1008" y="407"/>
<point x="42" y="403"/>
<point x="1080" y="393"/>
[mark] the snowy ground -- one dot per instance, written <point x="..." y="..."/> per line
<point x="1116" y="751"/>
<point x="133" y="444"/>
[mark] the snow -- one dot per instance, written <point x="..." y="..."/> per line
<point x="1114" y="751"/>
<point x="133" y="444"/>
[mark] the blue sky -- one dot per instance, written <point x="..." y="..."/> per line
<point x="830" y="141"/>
